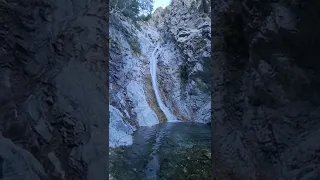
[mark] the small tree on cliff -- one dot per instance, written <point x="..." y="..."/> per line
<point x="131" y="8"/>
<point x="146" y="6"/>
<point x="128" y="8"/>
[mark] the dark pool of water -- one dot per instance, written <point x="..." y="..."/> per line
<point x="163" y="152"/>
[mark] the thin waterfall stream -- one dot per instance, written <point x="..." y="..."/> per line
<point x="153" y="70"/>
<point x="176" y="149"/>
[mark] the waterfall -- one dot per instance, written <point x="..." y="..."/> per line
<point x="153" y="70"/>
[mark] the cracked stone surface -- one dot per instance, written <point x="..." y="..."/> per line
<point x="53" y="117"/>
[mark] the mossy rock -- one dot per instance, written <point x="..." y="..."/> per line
<point x="186" y="164"/>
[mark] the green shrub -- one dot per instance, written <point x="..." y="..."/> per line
<point x="144" y="17"/>
<point x="135" y="23"/>
<point x="131" y="8"/>
<point x="134" y="44"/>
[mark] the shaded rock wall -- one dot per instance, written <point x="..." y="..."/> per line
<point x="185" y="25"/>
<point x="266" y="89"/>
<point x="53" y="84"/>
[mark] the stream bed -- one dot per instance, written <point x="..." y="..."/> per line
<point x="166" y="151"/>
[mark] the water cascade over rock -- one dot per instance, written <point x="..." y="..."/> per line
<point x="160" y="69"/>
<point x="159" y="84"/>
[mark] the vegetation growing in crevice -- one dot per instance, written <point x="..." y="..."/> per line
<point x="128" y="33"/>
<point x="200" y="43"/>
<point x="137" y="25"/>
<point x="134" y="44"/>
<point x="144" y="17"/>
<point x="184" y="73"/>
<point x="205" y="88"/>
<point x="131" y="8"/>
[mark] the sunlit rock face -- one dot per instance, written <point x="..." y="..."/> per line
<point x="180" y="47"/>
<point x="266" y="89"/>
<point x="129" y="72"/>
<point x="147" y="66"/>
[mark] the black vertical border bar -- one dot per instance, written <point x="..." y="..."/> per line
<point x="212" y="86"/>
<point x="107" y="73"/>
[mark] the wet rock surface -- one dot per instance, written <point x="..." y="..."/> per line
<point x="165" y="151"/>
<point x="266" y="90"/>
<point x="53" y="117"/>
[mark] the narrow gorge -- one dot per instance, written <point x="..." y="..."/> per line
<point x="160" y="94"/>
<point x="73" y="73"/>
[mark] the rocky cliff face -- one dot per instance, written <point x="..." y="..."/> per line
<point x="141" y="51"/>
<point x="266" y="89"/>
<point x="182" y="54"/>
<point x="130" y="80"/>
<point x="185" y="66"/>
<point x="53" y="63"/>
